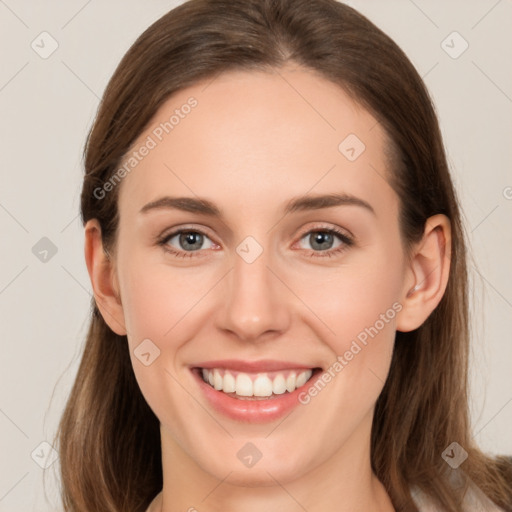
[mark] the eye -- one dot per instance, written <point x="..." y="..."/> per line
<point x="327" y="242"/>
<point x="324" y="242"/>
<point x="189" y="241"/>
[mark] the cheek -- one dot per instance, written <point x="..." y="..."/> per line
<point x="357" y="301"/>
<point x="161" y="305"/>
<point x="359" y="306"/>
<point x="157" y="297"/>
<point x="156" y="300"/>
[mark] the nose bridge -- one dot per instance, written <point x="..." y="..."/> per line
<point x="255" y="300"/>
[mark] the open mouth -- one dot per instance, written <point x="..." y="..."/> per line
<point x="256" y="386"/>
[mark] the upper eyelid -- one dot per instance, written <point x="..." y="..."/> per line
<point x="343" y="231"/>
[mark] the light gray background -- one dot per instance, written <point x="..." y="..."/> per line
<point x="47" y="106"/>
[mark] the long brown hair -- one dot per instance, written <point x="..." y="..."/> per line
<point x="108" y="437"/>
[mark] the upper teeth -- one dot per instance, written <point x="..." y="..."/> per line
<point x="255" y="384"/>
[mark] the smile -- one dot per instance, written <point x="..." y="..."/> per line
<point x="253" y="392"/>
<point x="255" y="385"/>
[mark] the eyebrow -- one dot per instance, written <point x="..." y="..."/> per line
<point x="302" y="203"/>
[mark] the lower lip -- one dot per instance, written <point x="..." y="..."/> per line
<point x="252" y="411"/>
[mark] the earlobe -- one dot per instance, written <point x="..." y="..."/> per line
<point x="428" y="274"/>
<point x="103" y="278"/>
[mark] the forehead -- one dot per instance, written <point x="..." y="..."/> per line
<point x="244" y="136"/>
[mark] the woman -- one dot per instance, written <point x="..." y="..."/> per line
<point x="280" y="299"/>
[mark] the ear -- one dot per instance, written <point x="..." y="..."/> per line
<point x="427" y="274"/>
<point x="103" y="278"/>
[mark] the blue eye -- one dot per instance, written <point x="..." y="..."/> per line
<point x="191" y="241"/>
<point x="323" y="240"/>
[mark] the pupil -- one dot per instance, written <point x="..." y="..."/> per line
<point x="323" y="239"/>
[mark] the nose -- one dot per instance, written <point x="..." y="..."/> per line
<point x="256" y="302"/>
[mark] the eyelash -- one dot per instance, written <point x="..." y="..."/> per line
<point x="345" y="239"/>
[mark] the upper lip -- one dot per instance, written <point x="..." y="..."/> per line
<point x="263" y="365"/>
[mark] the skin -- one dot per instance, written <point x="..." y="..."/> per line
<point x="252" y="143"/>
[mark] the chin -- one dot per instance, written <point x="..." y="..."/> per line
<point x="262" y="473"/>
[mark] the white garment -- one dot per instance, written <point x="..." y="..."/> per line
<point x="474" y="501"/>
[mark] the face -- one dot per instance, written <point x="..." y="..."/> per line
<point x="269" y="285"/>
